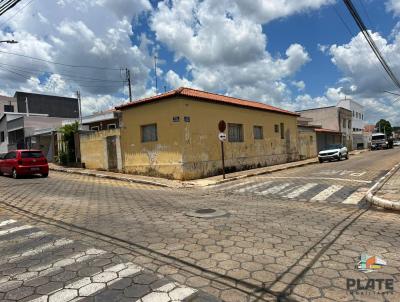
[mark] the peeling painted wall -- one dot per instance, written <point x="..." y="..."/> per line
<point x="161" y="158"/>
<point x="94" y="151"/>
<point x="189" y="148"/>
<point x="307" y="143"/>
<point x="202" y="151"/>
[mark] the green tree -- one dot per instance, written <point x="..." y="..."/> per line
<point x="384" y="126"/>
<point x="68" y="133"/>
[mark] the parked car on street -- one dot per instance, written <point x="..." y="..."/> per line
<point x="396" y="143"/>
<point x="334" y="151"/>
<point x="24" y="162"/>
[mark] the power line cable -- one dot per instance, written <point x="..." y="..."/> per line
<point x="371" y="42"/>
<point x="65" y="75"/>
<point x="20" y="10"/>
<point x="365" y="12"/>
<point x="7" y="6"/>
<point x="58" y="63"/>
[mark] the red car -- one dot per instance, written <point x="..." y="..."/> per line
<point x="24" y="162"/>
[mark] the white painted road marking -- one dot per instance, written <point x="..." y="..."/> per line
<point x="225" y="187"/>
<point x="16" y="229"/>
<point x="275" y="189"/>
<point x="318" y="178"/>
<point x="41" y="249"/>
<point x="247" y="189"/>
<point x="6" y="222"/>
<point x="300" y="190"/>
<point x="169" y="292"/>
<point x="88" y="285"/>
<point x="356" y="197"/>
<point x="325" y="194"/>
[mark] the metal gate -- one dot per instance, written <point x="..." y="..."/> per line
<point x="112" y="152"/>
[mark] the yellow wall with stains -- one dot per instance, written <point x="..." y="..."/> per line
<point x="94" y="148"/>
<point x="189" y="150"/>
<point x="307" y="143"/>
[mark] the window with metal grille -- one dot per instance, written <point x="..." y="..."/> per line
<point x="276" y="128"/>
<point x="282" y="131"/>
<point x="235" y="132"/>
<point x="149" y="133"/>
<point x="258" y="132"/>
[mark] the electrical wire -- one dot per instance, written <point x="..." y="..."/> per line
<point x="20" y="10"/>
<point x="65" y="75"/>
<point x="57" y="63"/>
<point x="7" y="6"/>
<point x="371" y="42"/>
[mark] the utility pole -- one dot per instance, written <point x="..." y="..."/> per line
<point x="128" y="78"/>
<point x="155" y="72"/>
<point x="27" y="106"/>
<point x="78" y="95"/>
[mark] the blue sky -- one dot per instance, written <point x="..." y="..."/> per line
<point x="293" y="54"/>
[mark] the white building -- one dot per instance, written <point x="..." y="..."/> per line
<point x="357" y="122"/>
<point x="7" y="104"/>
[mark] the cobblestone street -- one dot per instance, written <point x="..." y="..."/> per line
<point x="267" y="247"/>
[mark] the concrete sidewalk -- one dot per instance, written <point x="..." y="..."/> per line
<point x="386" y="193"/>
<point x="162" y="182"/>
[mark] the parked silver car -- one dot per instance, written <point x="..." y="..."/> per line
<point x="334" y="151"/>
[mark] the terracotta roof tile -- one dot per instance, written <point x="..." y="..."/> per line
<point x="208" y="96"/>
<point x="326" y="130"/>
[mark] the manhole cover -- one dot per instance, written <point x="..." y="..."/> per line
<point x="206" y="213"/>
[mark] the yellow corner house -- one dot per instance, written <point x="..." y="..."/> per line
<point x="175" y="134"/>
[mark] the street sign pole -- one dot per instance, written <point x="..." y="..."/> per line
<point x="223" y="159"/>
<point x="222" y="138"/>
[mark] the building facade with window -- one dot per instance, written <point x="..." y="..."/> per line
<point x="175" y="134"/>
<point x="357" y="120"/>
<point x="7" y="104"/>
<point x="336" y="119"/>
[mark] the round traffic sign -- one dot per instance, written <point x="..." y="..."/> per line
<point x="222" y="136"/>
<point x="221" y="126"/>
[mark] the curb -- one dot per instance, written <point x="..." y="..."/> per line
<point x="126" y="179"/>
<point x="258" y="173"/>
<point x="356" y="152"/>
<point x="381" y="202"/>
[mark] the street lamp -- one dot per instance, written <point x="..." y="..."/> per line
<point x="9" y="41"/>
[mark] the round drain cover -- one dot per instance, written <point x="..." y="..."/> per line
<point x="206" y="213"/>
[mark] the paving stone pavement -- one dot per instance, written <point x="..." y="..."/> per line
<point x="266" y="248"/>
<point x="38" y="266"/>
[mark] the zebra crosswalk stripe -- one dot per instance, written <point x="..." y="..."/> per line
<point x="16" y="229"/>
<point x="168" y="292"/>
<point x="228" y="187"/>
<point x="325" y="194"/>
<point x="274" y="190"/>
<point x="356" y="197"/>
<point x="251" y="188"/>
<point x="40" y="249"/>
<point x="6" y="222"/>
<point x="297" y="192"/>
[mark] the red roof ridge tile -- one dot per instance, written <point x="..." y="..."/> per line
<point x="195" y="93"/>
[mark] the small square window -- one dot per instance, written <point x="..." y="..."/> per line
<point x="111" y="126"/>
<point x="276" y="127"/>
<point x="149" y="133"/>
<point x="175" y="119"/>
<point x="258" y="132"/>
<point x="235" y="132"/>
<point x="95" y="128"/>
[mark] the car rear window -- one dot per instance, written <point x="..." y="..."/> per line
<point x="31" y="154"/>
